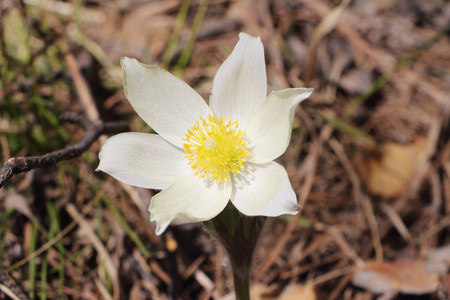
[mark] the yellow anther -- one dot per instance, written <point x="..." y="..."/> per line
<point x="215" y="148"/>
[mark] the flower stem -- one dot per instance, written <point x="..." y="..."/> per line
<point x="241" y="278"/>
<point x="238" y="234"/>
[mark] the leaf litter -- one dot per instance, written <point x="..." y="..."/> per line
<point x="372" y="77"/>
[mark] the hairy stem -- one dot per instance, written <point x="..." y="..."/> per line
<point x="239" y="235"/>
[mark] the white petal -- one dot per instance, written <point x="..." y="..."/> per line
<point x="240" y="85"/>
<point x="264" y="190"/>
<point x="189" y="199"/>
<point x="269" y="130"/>
<point x="162" y="100"/>
<point x="144" y="160"/>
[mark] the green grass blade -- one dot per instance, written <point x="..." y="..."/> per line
<point x="44" y="271"/>
<point x="187" y="50"/>
<point x="129" y="231"/>
<point x="173" y="40"/>
<point x="32" y="263"/>
<point x="133" y="236"/>
<point x="384" y="78"/>
<point x="5" y="227"/>
<point x="52" y="210"/>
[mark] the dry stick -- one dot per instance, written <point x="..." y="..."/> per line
<point x="397" y="221"/>
<point x="90" y="110"/>
<point x="435" y="206"/>
<point x="49" y="243"/>
<point x="359" y="195"/>
<point x="345" y="247"/>
<point x="384" y="61"/>
<point x="293" y="222"/>
<point x="337" y="290"/>
<point x="25" y="164"/>
<point x="327" y="24"/>
<point x="96" y="242"/>
<point x="79" y="81"/>
<point x="384" y="78"/>
<point x="424" y="168"/>
<point x="92" y="131"/>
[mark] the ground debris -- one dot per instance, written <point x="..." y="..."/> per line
<point x="417" y="277"/>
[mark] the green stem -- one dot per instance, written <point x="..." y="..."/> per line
<point x="241" y="278"/>
<point x="239" y="235"/>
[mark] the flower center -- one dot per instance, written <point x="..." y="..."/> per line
<point x="215" y="148"/>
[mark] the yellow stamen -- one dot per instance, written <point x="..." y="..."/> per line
<point x="215" y="148"/>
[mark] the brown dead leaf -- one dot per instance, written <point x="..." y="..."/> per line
<point x="258" y="291"/>
<point x="290" y="292"/>
<point x="416" y="277"/>
<point x="388" y="171"/>
<point x="299" y="291"/>
<point x="262" y="292"/>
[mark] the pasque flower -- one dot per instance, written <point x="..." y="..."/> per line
<point x="206" y="156"/>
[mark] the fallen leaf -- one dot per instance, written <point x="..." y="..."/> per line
<point x="299" y="291"/>
<point x="406" y="277"/>
<point x="258" y="291"/>
<point x="262" y="292"/>
<point x="388" y="171"/>
<point x="416" y="277"/>
<point x="291" y="292"/>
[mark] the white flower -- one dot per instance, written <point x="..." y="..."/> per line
<point x="204" y="155"/>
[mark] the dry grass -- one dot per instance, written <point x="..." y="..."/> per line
<point x="369" y="156"/>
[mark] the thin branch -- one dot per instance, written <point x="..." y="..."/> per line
<point x="92" y="131"/>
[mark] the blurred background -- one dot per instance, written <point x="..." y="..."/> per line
<point x="369" y="157"/>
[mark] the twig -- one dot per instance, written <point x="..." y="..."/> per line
<point x="360" y="196"/>
<point x="327" y="24"/>
<point x="81" y="86"/>
<point x="384" y="78"/>
<point x="311" y="164"/>
<point x="92" y="131"/>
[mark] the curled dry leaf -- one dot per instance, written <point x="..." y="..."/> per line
<point x="388" y="171"/>
<point x="291" y="292"/>
<point x="295" y="291"/>
<point x="299" y="291"/>
<point x="258" y="291"/>
<point x="405" y="277"/>
<point x="416" y="277"/>
<point x="261" y="291"/>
